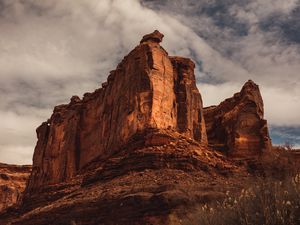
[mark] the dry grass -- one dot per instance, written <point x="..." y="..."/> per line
<point x="267" y="203"/>
<point x="273" y="199"/>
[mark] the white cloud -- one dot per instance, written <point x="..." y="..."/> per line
<point x="16" y="154"/>
<point x="256" y="10"/>
<point x="267" y="7"/>
<point x="282" y="106"/>
<point x="214" y="94"/>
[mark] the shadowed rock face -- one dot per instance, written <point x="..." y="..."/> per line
<point x="237" y="125"/>
<point x="190" y="119"/>
<point x="148" y="89"/>
<point x="12" y="183"/>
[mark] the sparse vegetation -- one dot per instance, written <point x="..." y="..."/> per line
<point x="273" y="199"/>
<point x="266" y="203"/>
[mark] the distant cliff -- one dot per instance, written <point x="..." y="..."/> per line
<point x="13" y="179"/>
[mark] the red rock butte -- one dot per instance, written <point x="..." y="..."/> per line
<point x="141" y="148"/>
<point x="148" y="89"/>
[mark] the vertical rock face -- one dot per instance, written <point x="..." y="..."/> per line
<point x="190" y="119"/>
<point x="237" y="125"/>
<point x="148" y="89"/>
<point x="12" y="183"/>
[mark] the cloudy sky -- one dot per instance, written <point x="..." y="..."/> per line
<point x="51" y="50"/>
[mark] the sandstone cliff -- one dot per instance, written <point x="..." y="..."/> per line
<point x="148" y="89"/>
<point x="237" y="125"/>
<point x="13" y="179"/>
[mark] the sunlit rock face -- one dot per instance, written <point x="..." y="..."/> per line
<point x="148" y="89"/>
<point x="237" y="125"/>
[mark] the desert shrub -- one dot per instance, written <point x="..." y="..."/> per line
<point x="280" y="163"/>
<point x="266" y="203"/>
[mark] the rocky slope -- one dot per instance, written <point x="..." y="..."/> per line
<point x="13" y="179"/>
<point x="136" y="151"/>
<point x="155" y="179"/>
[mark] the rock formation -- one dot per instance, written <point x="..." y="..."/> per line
<point x="137" y="150"/>
<point x="148" y="89"/>
<point x="12" y="183"/>
<point x="237" y="125"/>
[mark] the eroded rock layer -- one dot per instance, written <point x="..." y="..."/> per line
<point x="158" y="176"/>
<point x="237" y="125"/>
<point x="148" y="89"/>
<point x="13" y="179"/>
